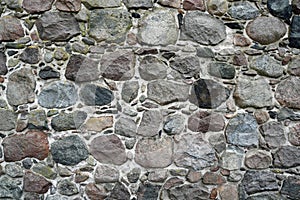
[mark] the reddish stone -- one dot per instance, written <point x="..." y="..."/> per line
<point x="261" y="116"/>
<point x="194" y="5"/>
<point x="35" y="183"/>
<point x="32" y="144"/>
<point x="239" y="59"/>
<point x="37" y="6"/>
<point x="68" y="5"/>
<point x="10" y="29"/>
<point x="193" y="176"/>
<point x="203" y="121"/>
<point x="172" y="182"/>
<point x="211" y="178"/>
<point x="213" y="193"/>
<point x="240" y="40"/>
<point x="294" y="135"/>
<point x="95" y="192"/>
<point x="228" y="192"/>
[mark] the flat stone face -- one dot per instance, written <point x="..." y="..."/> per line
<point x="207" y="93"/>
<point x="126" y="127"/>
<point x="32" y="144"/>
<point x="221" y="70"/>
<point x="119" y="192"/>
<point x="152" y="68"/>
<point x="203" y="121"/>
<point x="192" y="152"/>
<point x="294" y="135"/>
<point x="37" y="6"/>
<point x="165" y="92"/>
<point x="98" y="124"/>
<point x="174" y="124"/>
<point x="68" y="121"/>
<point x="30" y="55"/>
<point x="138" y="3"/>
<point x="94" y="95"/>
<point x="69" y="150"/>
<point x="20" y="87"/>
<point x="243" y="10"/>
<point x="35" y="183"/>
<point x="258" y="159"/>
<point x="10" y="28"/>
<point x="266" y="30"/>
<point x="58" y="95"/>
<point x="189" y="192"/>
<point x="280" y="8"/>
<point x="286" y="157"/>
<point x="293" y="67"/>
<point x="57" y="26"/>
<point x="203" y="28"/>
<point x="193" y="5"/>
<point x="108" y="149"/>
<point x="242" y="131"/>
<point x="188" y="66"/>
<point x="288" y="92"/>
<point x="294" y="32"/>
<point x="67" y="188"/>
<point x="267" y="66"/>
<point x="154" y="153"/>
<point x="150" y="123"/>
<point x="148" y="191"/>
<point x="9" y="188"/>
<point x="251" y="92"/>
<point x="101" y="3"/>
<point x="232" y="158"/>
<point x="291" y="187"/>
<point x="68" y="5"/>
<point x="106" y="174"/>
<point x="82" y="69"/>
<point x="110" y="25"/>
<point x="158" y="28"/>
<point x="273" y="134"/>
<point x="118" y="65"/>
<point x="130" y="91"/>
<point x="3" y="66"/>
<point x="37" y="119"/>
<point x="8" y="120"/>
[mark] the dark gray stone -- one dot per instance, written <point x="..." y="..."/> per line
<point x="57" y="26"/>
<point x="273" y="134"/>
<point x="30" y="55"/>
<point x="286" y="113"/>
<point x="134" y="175"/>
<point x="294" y="32"/>
<point x="58" y="95"/>
<point x="91" y="4"/>
<point x="93" y="95"/>
<point x="188" y="66"/>
<point x="242" y="130"/>
<point x="138" y="4"/>
<point x="152" y="68"/>
<point x="130" y="91"/>
<point x="119" y="192"/>
<point x="8" y="120"/>
<point x="286" y="157"/>
<point x="126" y="127"/>
<point x="48" y="73"/>
<point x="280" y="8"/>
<point x="243" y="10"/>
<point x="68" y="121"/>
<point x="189" y="192"/>
<point x="70" y="150"/>
<point x="269" y="196"/>
<point x="221" y="70"/>
<point x="148" y="191"/>
<point x="3" y="67"/>
<point x="37" y="119"/>
<point x="267" y="66"/>
<point x="67" y="188"/>
<point x="205" y="52"/>
<point x="291" y="187"/>
<point x="9" y="188"/>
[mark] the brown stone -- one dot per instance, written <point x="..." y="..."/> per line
<point x="32" y="144"/>
<point x="240" y="40"/>
<point x="228" y="192"/>
<point x="99" y="124"/>
<point x="172" y="182"/>
<point x="170" y="3"/>
<point x="108" y="149"/>
<point x="294" y="135"/>
<point x="213" y="193"/>
<point x="193" y="176"/>
<point x="240" y="59"/>
<point x="194" y="5"/>
<point x="10" y="28"/>
<point x="261" y="116"/>
<point x="288" y="92"/>
<point x="68" y="5"/>
<point x="37" y="6"/>
<point x="35" y="183"/>
<point x="203" y="121"/>
<point x="257" y="159"/>
<point x="211" y="178"/>
<point x="95" y="192"/>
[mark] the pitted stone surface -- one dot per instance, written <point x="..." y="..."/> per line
<point x="287" y="92"/>
<point x="10" y="28"/>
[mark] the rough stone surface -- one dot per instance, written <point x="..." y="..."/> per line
<point x="232" y="158"/>
<point x="58" y="95"/>
<point x="194" y="5"/>
<point x="267" y="66"/>
<point x="291" y="187"/>
<point x="101" y="3"/>
<point x="108" y="149"/>
<point x="57" y="26"/>
<point x="258" y="159"/>
<point x="94" y="95"/>
<point x="294" y="68"/>
<point x="188" y="66"/>
<point x="203" y="121"/>
<point x="10" y="28"/>
<point x="37" y="6"/>
<point x="68" y="121"/>
<point x="273" y="134"/>
<point x="67" y="188"/>
<point x="94" y="192"/>
<point x="7" y="120"/>
<point x="48" y="73"/>
<point x="294" y="135"/>
<point x="287" y="92"/>
<point x="294" y="32"/>
<point x="252" y="92"/>
<point x="31" y="144"/>
<point x="138" y="4"/>
<point x="110" y="25"/>
<point x="30" y="55"/>
<point x="280" y="8"/>
<point x="9" y="188"/>
<point x="37" y="119"/>
<point x="119" y="192"/>
<point x="69" y="150"/>
<point x="150" y="123"/>
<point x="266" y="30"/>
<point x="242" y="131"/>
<point x="148" y="191"/>
<point x="243" y="10"/>
<point x="126" y="127"/>
<point x="98" y="124"/>
<point x="286" y="157"/>
<point x="192" y="152"/>
<point x="203" y="28"/>
<point x="154" y="153"/>
<point x="189" y="192"/>
<point x="106" y="174"/>
<point x="217" y="7"/>
<point x="158" y="28"/>
<point x="221" y="70"/>
<point x="174" y="124"/>
<point x="152" y="68"/>
<point x="35" y="183"/>
<point x="3" y="66"/>
<point x="68" y="5"/>
<point x="130" y="91"/>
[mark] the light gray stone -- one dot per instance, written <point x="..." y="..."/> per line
<point x="9" y="188"/>
<point x="138" y="4"/>
<point x="8" y="120"/>
<point x="267" y="66"/>
<point x="243" y="10"/>
<point x="126" y="127"/>
<point x="101" y="3"/>
<point x="68" y="121"/>
<point x="174" y="124"/>
<point x="152" y="68"/>
<point x="232" y="158"/>
<point x="151" y="123"/>
<point x="130" y="91"/>
<point x="106" y="174"/>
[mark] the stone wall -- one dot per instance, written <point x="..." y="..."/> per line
<point x="146" y="100"/>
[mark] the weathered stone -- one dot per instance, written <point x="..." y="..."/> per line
<point x="296" y="6"/>
<point x="232" y="158"/>
<point x="193" y="176"/>
<point x="69" y="150"/>
<point x="134" y="175"/>
<point x="189" y="192"/>
<point x="286" y="157"/>
<point x="3" y="66"/>
<point x="228" y="192"/>
<point x="130" y="91"/>
<point x="242" y="130"/>
<point x="294" y="135"/>
<point x="165" y="92"/>
<point x="30" y="55"/>
<point x="68" y="5"/>
<point x="32" y="144"/>
<point x="95" y="192"/>
<point x="108" y="149"/>
<point x="101" y="3"/>
<point x="217" y="140"/>
<point x="37" y="6"/>
<point x="291" y="187"/>
<point x="188" y="66"/>
<point x="280" y="8"/>
<point x="192" y="152"/>
<point x="158" y="28"/>
<point x="68" y="121"/>
<point x="13" y="170"/>
<point x="207" y="93"/>
<point x="221" y="70"/>
<point x="273" y="134"/>
<point x="288" y="92"/>
<point x="152" y="68"/>
<point x="48" y="73"/>
<point x="94" y="95"/>
<point x="256" y="30"/>
<point x="154" y="153"/>
<point x="267" y="66"/>
<point x="203" y="28"/>
<point x="259" y="181"/>
<point x="58" y="95"/>
<point x="261" y="116"/>
<point x="119" y="192"/>
<point x="126" y="127"/>
<point x="106" y="174"/>
<point x="174" y="124"/>
<point x="20" y="87"/>
<point x="67" y="188"/>
<point x="294" y="32"/>
<point x="110" y="25"/>
<point x="211" y="178"/>
<point x="286" y="113"/>
<point x="82" y="69"/>
<point x="57" y="26"/>
<point x="135" y="4"/>
<point x="258" y="159"/>
<point x="150" y="123"/>
<point x="118" y="65"/>
<point x="9" y="188"/>
<point x="37" y="119"/>
<point x="217" y="7"/>
<point x="13" y="5"/>
<point x="10" y="28"/>
<point x="241" y="40"/>
<point x="203" y="121"/>
<point x="253" y="92"/>
<point x="148" y="191"/>
<point x="44" y="170"/>
<point x="98" y="124"/>
<point x="193" y="5"/>
<point x="293" y="67"/>
<point x="243" y="10"/>
<point x="8" y="120"/>
<point x="159" y="175"/>
<point x="268" y="196"/>
<point x="35" y="183"/>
